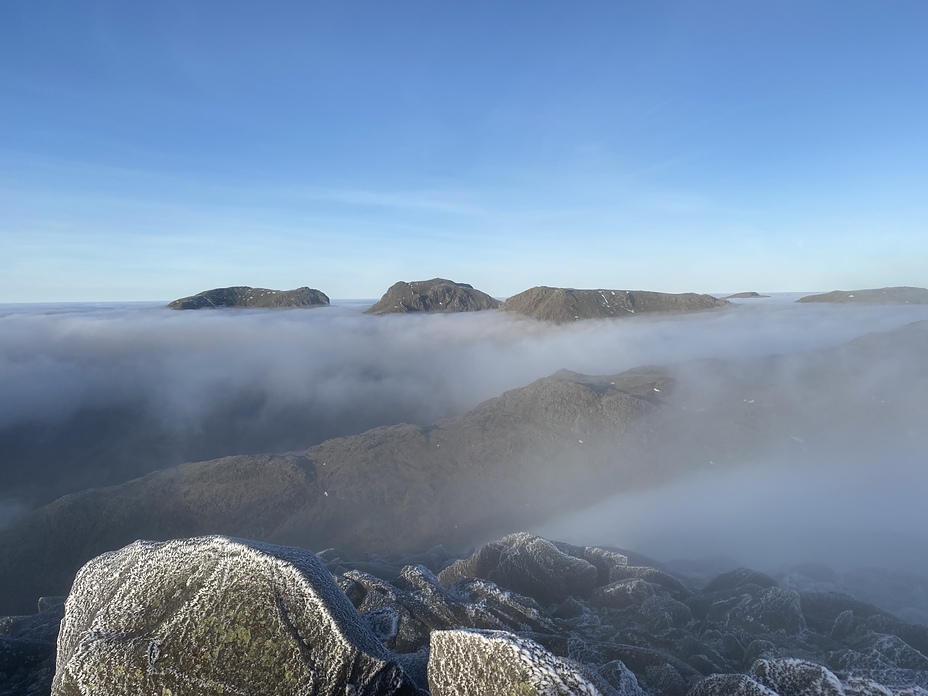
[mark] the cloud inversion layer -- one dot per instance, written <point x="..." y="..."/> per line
<point x="93" y="395"/>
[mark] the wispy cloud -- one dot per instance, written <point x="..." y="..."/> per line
<point x="451" y="202"/>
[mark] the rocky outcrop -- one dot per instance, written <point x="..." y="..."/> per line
<point x="244" y="296"/>
<point x="436" y="295"/>
<point x="564" y="305"/>
<point x="879" y="296"/>
<point x="531" y="566"/>
<point x="217" y="615"/>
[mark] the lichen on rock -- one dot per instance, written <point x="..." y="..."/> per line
<point x="497" y="663"/>
<point x="216" y="615"/>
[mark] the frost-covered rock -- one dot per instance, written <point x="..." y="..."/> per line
<point x="652" y="575"/>
<point x="495" y="663"/>
<point x="27" y="649"/>
<point x="419" y="604"/>
<point x="664" y="612"/>
<point x="773" y="609"/>
<point x="217" y="615"/>
<point x="895" y="678"/>
<point x="622" y="594"/>
<point x="529" y="565"/>
<point x="881" y="651"/>
<point x="793" y="677"/>
<point x="738" y="578"/>
<point x="857" y="686"/>
<point x="621" y="679"/>
<point x="730" y="685"/>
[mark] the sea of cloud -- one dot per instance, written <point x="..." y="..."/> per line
<point x="93" y="395"/>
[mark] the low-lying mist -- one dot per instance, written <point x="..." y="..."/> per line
<point x="96" y="395"/>
<point x="856" y="506"/>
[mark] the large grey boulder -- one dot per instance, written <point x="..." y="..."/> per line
<point x="564" y="305"/>
<point x="216" y="615"/>
<point x="897" y="295"/>
<point x="244" y="296"/>
<point x="497" y="663"/>
<point x="435" y="295"/>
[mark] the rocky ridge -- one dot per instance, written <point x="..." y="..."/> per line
<point x="564" y="305"/>
<point x="522" y="615"/>
<point x="244" y="296"/>
<point x="435" y="295"/>
<point x="880" y="296"/>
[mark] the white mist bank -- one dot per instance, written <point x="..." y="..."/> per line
<point x="94" y="394"/>
<point x="862" y="506"/>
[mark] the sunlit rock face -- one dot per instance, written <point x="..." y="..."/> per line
<point x="564" y="305"/>
<point x="216" y="615"/>
<point x="435" y="295"/>
<point x="244" y="296"/>
<point x="487" y="663"/>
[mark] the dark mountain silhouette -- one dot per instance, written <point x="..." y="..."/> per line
<point x="744" y="296"/>
<point x="244" y="296"/>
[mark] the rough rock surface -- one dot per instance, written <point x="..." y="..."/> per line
<point x="436" y="295"/>
<point x="730" y="685"/>
<point x="564" y="305"/>
<point x="793" y="677"/>
<point x="244" y="296"/>
<point x="154" y="614"/>
<point x="528" y="565"/>
<point x="216" y="615"/>
<point x="27" y="649"/>
<point x="897" y="295"/>
<point x="491" y="663"/>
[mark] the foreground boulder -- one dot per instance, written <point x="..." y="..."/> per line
<point x="897" y="295"/>
<point x="217" y="615"/>
<point x="489" y="663"/>
<point x="223" y="615"/>
<point x="563" y="305"/>
<point x="244" y="296"/>
<point x="436" y="295"/>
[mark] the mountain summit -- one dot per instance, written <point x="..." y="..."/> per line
<point x="244" y="296"/>
<point x="564" y="305"/>
<point x="435" y="295"/>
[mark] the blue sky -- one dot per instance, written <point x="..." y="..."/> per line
<point x="152" y="150"/>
